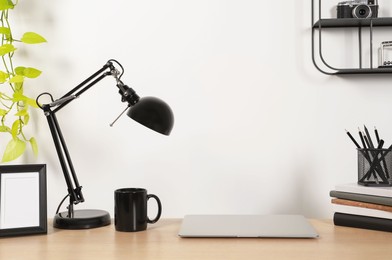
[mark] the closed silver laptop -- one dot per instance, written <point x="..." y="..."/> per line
<point x="268" y="226"/>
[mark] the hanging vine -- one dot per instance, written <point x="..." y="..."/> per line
<point x="14" y="104"/>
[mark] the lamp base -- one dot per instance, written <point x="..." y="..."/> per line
<point x="82" y="219"/>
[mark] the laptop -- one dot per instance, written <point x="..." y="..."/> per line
<point x="247" y="226"/>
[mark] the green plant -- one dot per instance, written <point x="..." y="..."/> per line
<point x="14" y="104"/>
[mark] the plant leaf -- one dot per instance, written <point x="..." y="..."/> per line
<point x="18" y="87"/>
<point x="4" y="128"/>
<point x="20" y="70"/>
<point x="31" y="102"/>
<point x="6" y="4"/>
<point x="3" y="76"/>
<point x="14" y="149"/>
<point x="32" y="38"/>
<point x="27" y="72"/>
<point x="4" y="30"/>
<point x="3" y="112"/>
<point x="16" y="79"/>
<point x="18" y="96"/>
<point x="26" y="119"/>
<point x="34" y="145"/>
<point x="31" y="72"/>
<point x="22" y="112"/>
<point x="6" y="48"/>
<point x="15" y="128"/>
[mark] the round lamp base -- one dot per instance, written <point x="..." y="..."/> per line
<point x="82" y="219"/>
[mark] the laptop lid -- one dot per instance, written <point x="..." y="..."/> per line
<point x="272" y="226"/>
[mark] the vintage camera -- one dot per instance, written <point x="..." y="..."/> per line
<point x="358" y="9"/>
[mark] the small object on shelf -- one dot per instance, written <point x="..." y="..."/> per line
<point x="385" y="48"/>
<point x="362" y="9"/>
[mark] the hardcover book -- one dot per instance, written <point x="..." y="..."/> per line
<point x="361" y="197"/>
<point x="360" y="189"/>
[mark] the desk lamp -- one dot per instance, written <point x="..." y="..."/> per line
<point x="148" y="111"/>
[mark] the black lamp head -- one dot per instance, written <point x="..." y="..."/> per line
<point x="154" y="114"/>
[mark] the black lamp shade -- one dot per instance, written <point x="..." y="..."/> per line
<point x="154" y="114"/>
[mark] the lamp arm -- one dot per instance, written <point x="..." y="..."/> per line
<point x="81" y="88"/>
<point x="128" y="94"/>
<point x="74" y="188"/>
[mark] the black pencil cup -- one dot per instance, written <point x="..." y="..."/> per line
<point x="375" y="167"/>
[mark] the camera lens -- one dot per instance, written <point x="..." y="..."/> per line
<point x="362" y="11"/>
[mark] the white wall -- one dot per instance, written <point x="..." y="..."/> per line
<point x="258" y="129"/>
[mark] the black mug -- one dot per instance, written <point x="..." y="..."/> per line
<point x="130" y="209"/>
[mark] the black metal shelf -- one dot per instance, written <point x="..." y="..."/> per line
<point x="362" y="71"/>
<point x="352" y="22"/>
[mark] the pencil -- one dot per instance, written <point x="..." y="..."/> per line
<point x="368" y="137"/>
<point x="376" y="133"/>
<point x="366" y="153"/>
<point x="367" y="142"/>
<point x="352" y="139"/>
<point x="362" y="139"/>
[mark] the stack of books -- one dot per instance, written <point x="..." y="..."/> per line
<point x="361" y="206"/>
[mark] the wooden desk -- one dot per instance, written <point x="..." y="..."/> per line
<point x="160" y="241"/>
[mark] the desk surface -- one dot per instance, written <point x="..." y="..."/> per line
<point x="161" y="241"/>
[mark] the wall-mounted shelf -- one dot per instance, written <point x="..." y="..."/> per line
<point x="352" y="22"/>
<point x="370" y="23"/>
<point x="362" y="71"/>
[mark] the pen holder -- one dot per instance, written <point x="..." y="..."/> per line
<point x="375" y="167"/>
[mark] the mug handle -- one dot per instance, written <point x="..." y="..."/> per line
<point x="159" y="209"/>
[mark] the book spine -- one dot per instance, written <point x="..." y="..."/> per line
<point x="361" y="204"/>
<point x="348" y="220"/>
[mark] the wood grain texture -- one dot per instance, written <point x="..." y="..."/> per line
<point x="160" y="241"/>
